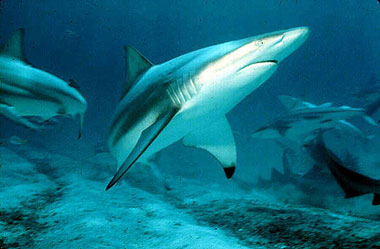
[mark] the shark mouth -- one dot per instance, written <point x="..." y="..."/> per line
<point x="256" y="63"/>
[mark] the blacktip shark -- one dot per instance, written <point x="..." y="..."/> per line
<point x="187" y="97"/>
<point x="303" y="121"/>
<point x="26" y="91"/>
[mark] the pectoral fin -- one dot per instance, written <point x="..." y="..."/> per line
<point x="218" y="140"/>
<point x="11" y="113"/>
<point x="146" y="139"/>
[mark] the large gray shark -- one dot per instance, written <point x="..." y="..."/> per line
<point x="187" y="97"/>
<point x="26" y="91"/>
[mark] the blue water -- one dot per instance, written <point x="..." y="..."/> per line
<point x="83" y="40"/>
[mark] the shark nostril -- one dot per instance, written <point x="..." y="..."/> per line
<point x="281" y="38"/>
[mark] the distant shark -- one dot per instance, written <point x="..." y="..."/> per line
<point x="27" y="92"/>
<point x="303" y="121"/>
<point x="187" y="97"/>
<point x="351" y="182"/>
<point x="327" y="171"/>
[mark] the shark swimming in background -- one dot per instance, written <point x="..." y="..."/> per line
<point x="303" y="121"/>
<point x="28" y="93"/>
<point x="187" y="97"/>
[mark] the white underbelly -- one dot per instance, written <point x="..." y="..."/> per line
<point x="176" y="130"/>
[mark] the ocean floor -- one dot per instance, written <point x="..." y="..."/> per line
<point x="52" y="201"/>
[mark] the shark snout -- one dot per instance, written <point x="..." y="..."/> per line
<point x="289" y="41"/>
<point x="271" y="48"/>
<point x="300" y="33"/>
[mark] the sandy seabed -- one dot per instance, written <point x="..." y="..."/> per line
<point x="51" y="201"/>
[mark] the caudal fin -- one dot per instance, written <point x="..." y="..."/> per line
<point x="376" y="199"/>
<point x="352" y="183"/>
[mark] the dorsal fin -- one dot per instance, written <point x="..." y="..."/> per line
<point x="72" y="83"/>
<point x="14" y="46"/>
<point x="136" y="64"/>
<point x="328" y="104"/>
<point x="292" y="103"/>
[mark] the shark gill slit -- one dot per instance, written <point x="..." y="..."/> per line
<point x="186" y="92"/>
<point x="173" y="96"/>
<point x="181" y="91"/>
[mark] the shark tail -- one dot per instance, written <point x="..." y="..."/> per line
<point x="376" y="199"/>
<point x="350" y="180"/>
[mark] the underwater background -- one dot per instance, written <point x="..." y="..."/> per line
<point x="52" y="186"/>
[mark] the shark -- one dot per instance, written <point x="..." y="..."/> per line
<point x="297" y="130"/>
<point x="346" y="172"/>
<point x="187" y="98"/>
<point x="303" y="121"/>
<point x="31" y="96"/>
<point x="352" y="183"/>
<point x="328" y="173"/>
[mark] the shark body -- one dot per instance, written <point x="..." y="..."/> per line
<point x="353" y="183"/>
<point x="187" y="97"/>
<point x="26" y="91"/>
<point x="298" y="129"/>
<point x="303" y="121"/>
